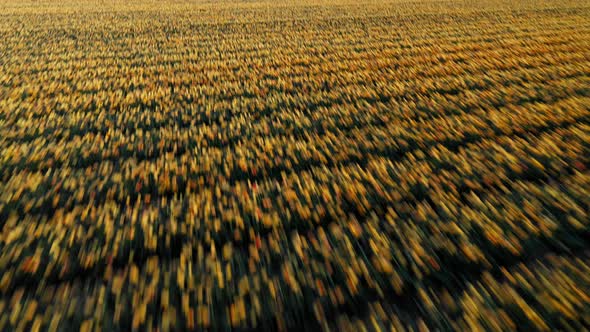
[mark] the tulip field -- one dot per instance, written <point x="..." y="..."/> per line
<point x="296" y="165"/>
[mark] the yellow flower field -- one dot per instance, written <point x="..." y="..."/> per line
<point x="294" y="165"/>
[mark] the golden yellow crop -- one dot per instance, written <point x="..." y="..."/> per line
<point x="302" y="164"/>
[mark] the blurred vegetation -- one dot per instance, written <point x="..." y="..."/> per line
<point x="298" y="165"/>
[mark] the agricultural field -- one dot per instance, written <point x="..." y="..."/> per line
<point x="294" y="165"/>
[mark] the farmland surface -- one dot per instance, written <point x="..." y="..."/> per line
<point x="337" y="165"/>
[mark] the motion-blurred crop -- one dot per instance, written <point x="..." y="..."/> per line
<point x="356" y="166"/>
